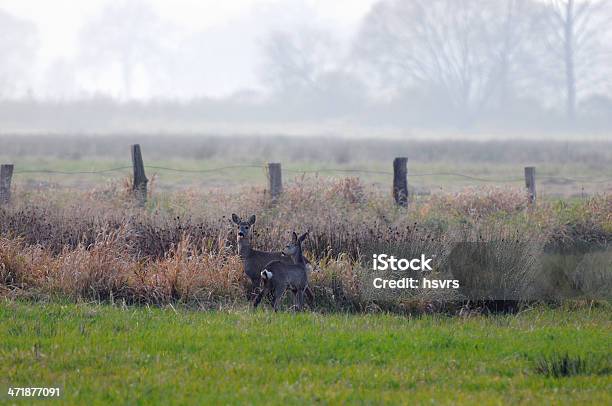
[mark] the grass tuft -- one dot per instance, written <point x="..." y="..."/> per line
<point x="559" y="366"/>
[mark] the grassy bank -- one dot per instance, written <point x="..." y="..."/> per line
<point x="105" y="354"/>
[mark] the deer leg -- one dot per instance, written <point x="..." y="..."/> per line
<point x="278" y="294"/>
<point x="296" y="300"/>
<point x="293" y="295"/>
<point x="271" y="296"/>
<point x="256" y="288"/>
<point x="300" y="297"/>
<point x="249" y="293"/>
<point x="267" y="288"/>
<point x="259" y="296"/>
<point x="309" y="297"/>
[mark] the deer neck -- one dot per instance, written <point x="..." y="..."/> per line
<point x="298" y="258"/>
<point x="244" y="247"/>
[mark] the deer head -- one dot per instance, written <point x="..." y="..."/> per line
<point x="294" y="248"/>
<point x="243" y="227"/>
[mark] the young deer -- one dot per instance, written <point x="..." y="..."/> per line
<point x="254" y="260"/>
<point x="278" y="276"/>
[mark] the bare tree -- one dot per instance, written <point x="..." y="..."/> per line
<point x="518" y="23"/>
<point x="308" y="69"/>
<point x="577" y="40"/>
<point x="465" y="51"/>
<point x="18" y="47"/>
<point x="292" y="61"/>
<point x="128" y="34"/>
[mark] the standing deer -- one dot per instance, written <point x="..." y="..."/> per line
<point x="254" y="260"/>
<point x="279" y="276"/>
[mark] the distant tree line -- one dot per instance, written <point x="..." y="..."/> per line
<point x="462" y="60"/>
<point x="513" y="64"/>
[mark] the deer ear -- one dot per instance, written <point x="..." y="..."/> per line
<point x="252" y="219"/>
<point x="295" y="237"/>
<point x="235" y="218"/>
<point x="303" y="236"/>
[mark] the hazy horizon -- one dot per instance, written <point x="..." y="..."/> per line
<point x="396" y="65"/>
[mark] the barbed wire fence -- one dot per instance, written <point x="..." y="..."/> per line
<point x="273" y="171"/>
<point x="312" y="171"/>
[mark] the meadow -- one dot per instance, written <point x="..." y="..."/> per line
<point x="100" y="354"/>
<point x="118" y="303"/>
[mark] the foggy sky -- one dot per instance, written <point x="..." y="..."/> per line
<point x="228" y="34"/>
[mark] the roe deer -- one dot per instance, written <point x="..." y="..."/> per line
<point x="278" y="276"/>
<point x="254" y="260"/>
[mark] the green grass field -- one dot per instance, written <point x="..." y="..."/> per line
<point x="441" y="178"/>
<point x="564" y="168"/>
<point x="101" y="354"/>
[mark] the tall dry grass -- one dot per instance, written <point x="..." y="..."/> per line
<point x="105" y="271"/>
<point x="181" y="248"/>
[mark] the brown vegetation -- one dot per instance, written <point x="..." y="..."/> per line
<point x="180" y="249"/>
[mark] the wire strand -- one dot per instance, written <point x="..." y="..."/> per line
<point x="51" y="171"/>
<point x="222" y="168"/>
<point x="322" y="170"/>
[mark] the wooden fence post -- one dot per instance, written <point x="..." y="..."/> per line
<point x="6" y="174"/>
<point x="400" y="181"/>
<point x="139" y="185"/>
<point x="275" y="181"/>
<point x="530" y="183"/>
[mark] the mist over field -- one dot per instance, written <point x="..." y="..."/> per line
<point x="366" y="68"/>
